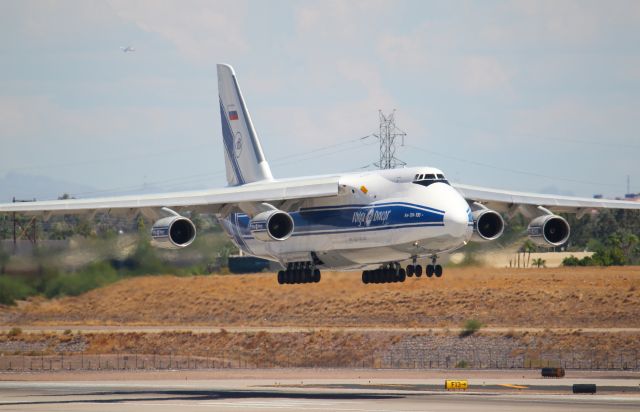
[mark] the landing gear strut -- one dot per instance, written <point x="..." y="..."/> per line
<point x="431" y="269"/>
<point x="414" y="269"/>
<point x="390" y="273"/>
<point x="299" y="272"/>
<point x="434" y="269"/>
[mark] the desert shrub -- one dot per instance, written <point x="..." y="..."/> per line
<point x="12" y="289"/>
<point x="570" y="261"/>
<point x="73" y="284"/>
<point x="470" y="327"/>
<point x="145" y="260"/>
<point x="15" y="331"/>
<point x="574" y="261"/>
<point x="616" y="250"/>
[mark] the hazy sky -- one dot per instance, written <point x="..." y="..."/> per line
<point x="526" y="95"/>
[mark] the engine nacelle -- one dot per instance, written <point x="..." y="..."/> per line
<point x="549" y="230"/>
<point x="173" y="232"/>
<point x="271" y="225"/>
<point x="487" y="225"/>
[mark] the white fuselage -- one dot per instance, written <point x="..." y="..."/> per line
<point x="378" y="217"/>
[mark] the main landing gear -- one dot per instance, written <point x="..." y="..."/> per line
<point x="431" y="269"/>
<point x="391" y="273"/>
<point x="299" y="272"/>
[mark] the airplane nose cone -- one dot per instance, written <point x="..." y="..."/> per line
<point x="456" y="220"/>
<point x="446" y="198"/>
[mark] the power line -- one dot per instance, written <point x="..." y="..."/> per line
<point x="505" y="169"/>
<point x="604" y="142"/>
<point x="283" y="160"/>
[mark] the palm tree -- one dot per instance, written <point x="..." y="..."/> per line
<point x="528" y="247"/>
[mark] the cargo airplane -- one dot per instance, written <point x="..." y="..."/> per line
<point x="385" y="223"/>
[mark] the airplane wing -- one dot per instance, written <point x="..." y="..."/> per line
<point x="504" y="200"/>
<point x="211" y="201"/>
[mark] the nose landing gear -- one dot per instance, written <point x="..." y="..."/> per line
<point x="414" y="269"/>
<point x="431" y="269"/>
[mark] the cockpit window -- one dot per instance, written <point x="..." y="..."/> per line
<point x="430" y="178"/>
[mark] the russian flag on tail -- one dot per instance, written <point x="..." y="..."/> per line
<point x="233" y="115"/>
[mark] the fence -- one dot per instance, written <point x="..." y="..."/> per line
<point x="409" y="359"/>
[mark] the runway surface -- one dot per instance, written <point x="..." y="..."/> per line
<point x="314" y="395"/>
<point x="290" y="329"/>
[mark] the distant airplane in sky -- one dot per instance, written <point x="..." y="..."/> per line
<point x="386" y="223"/>
<point x="127" y="49"/>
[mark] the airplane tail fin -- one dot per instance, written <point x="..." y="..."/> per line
<point x="244" y="159"/>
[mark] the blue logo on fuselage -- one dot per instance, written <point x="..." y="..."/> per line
<point x="362" y="218"/>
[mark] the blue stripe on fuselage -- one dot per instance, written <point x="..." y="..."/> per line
<point x="355" y="218"/>
<point x="359" y="206"/>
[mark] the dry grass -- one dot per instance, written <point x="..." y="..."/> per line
<point x="320" y="347"/>
<point x="541" y="298"/>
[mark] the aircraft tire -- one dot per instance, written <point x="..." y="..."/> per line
<point x="281" y="277"/>
<point x="430" y="271"/>
<point x="377" y="276"/>
<point x="395" y="275"/>
<point x="438" y="271"/>
<point x="410" y="270"/>
<point x="402" y="275"/>
<point x="418" y="271"/>
<point x="308" y="276"/>
<point x="365" y="277"/>
<point x="316" y="275"/>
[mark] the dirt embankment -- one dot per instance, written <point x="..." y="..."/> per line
<point x="519" y="298"/>
<point x="321" y="348"/>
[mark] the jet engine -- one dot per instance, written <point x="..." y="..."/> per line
<point x="271" y="225"/>
<point x="549" y="230"/>
<point x="487" y="225"/>
<point x="173" y="232"/>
